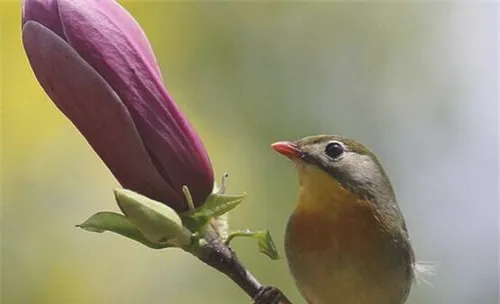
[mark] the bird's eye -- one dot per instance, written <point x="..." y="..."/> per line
<point x="334" y="149"/>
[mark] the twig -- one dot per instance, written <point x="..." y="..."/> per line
<point x="221" y="257"/>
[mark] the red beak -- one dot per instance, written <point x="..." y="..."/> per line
<point x="287" y="148"/>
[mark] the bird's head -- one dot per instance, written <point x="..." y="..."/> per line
<point x="350" y="164"/>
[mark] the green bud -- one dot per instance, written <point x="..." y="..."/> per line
<point x="156" y="221"/>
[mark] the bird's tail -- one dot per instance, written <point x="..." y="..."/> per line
<point x="423" y="270"/>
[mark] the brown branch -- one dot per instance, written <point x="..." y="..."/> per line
<point x="221" y="257"/>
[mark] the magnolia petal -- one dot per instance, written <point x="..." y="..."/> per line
<point x="44" y="12"/>
<point x="95" y="109"/>
<point x="101" y="32"/>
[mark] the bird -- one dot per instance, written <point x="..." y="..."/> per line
<point x="346" y="241"/>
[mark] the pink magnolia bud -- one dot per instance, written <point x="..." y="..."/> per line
<point x="97" y="66"/>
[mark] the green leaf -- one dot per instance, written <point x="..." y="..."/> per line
<point x="266" y="245"/>
<point x="215" y="205"/>
<point x="156" y="221"/>
<point x="117" y="223"/>
<point x="219" y="204"/>
<point x="264" y="241"/>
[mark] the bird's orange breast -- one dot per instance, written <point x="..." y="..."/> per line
<point x="353" y="230"/>
<point x="328" y="214"/>
<point x="349" y="232"/>
<point x="338" y="248"/>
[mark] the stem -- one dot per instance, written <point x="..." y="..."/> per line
<point x="188" y="196"/>
<point x="221" y="257"/>
<point x="211" y="250"/>
<point x="239" y="234"/>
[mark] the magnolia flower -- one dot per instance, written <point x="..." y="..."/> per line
<point x="95" y="63"/>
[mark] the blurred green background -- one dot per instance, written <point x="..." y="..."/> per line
<point x="418" y="83"/>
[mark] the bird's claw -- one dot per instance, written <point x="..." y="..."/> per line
<point x="270" y="295"/>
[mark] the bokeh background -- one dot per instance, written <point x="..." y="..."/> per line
<point x="418" y="83"/>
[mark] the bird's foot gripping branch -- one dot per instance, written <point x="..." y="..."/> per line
<point x="200" y="231"/>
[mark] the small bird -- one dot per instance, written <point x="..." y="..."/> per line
<point x="346" y="241"/>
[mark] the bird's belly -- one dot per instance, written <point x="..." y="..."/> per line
<point x="326" y="281"/>
<point x="343" y="264"/>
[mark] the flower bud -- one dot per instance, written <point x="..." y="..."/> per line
<point x="95" y="63"/>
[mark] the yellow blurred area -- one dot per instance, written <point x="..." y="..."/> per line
<point x="418" y="83"/>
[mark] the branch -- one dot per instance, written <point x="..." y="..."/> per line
<point x="221" y="257"/>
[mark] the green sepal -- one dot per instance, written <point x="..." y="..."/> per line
<point x="219" y="204"/>
<point x="264" y="241"/>
<point x="119" y="224"/>
<point x="215" y="205"/>
<point x="156" y="221"/>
